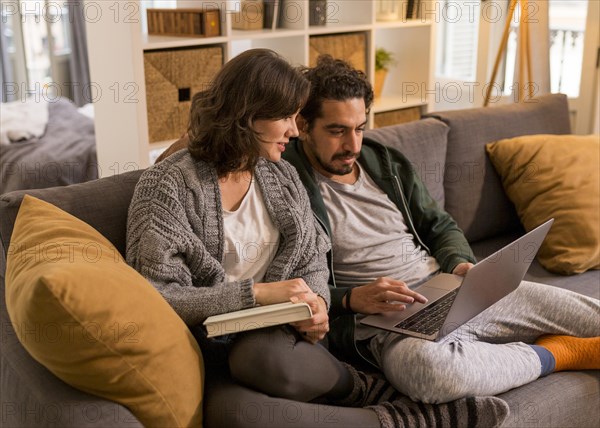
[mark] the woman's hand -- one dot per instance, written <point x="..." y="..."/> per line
<point x="315" y="328"/>
<point x="269" y="293"/>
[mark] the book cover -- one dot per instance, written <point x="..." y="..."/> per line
<point x="281" y="18"/>
<point x="410" y="9"/>
<point x="275" y="15"/>
<point x="268" y="10"/>
<point x="317" y="12"/>
<point x="259" y="317"/>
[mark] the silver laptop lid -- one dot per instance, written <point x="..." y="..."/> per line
<point x="501" y="272"/>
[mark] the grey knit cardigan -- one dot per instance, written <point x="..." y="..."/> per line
<point x="175" y="236"/>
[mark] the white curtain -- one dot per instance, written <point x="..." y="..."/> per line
<point x="538" y="54"/>
<point x="6" y="76"/>
<point x="78" y="62"/>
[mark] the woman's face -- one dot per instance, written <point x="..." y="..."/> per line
<point x="274" y="135"/>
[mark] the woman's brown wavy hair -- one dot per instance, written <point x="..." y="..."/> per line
<point x="257" y="84"/>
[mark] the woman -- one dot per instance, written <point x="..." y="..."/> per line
<point x="227" y="225"/>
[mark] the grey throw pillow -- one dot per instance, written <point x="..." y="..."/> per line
<point x="473" y="191"/>
<point x="423" y="142"/>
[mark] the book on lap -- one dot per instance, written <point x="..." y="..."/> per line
<point x="258" y="317"/>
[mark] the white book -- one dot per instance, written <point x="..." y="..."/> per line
<point x="258" y="317"/>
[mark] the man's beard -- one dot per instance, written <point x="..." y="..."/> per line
<point x="341" y="170"/>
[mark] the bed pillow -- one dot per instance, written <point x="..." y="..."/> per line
<point x="556" y="176"/>
<point x="101" y="327"/>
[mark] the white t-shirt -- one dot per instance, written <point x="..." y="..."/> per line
<point x="373" y="238"/>
<point x="251" y="238"/>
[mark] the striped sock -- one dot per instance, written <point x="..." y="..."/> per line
<point x="467" y="412"/>
<point x="368" y="390"/>
<point x="572" y="353"/>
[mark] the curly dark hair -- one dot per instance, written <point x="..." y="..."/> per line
<point x="334" y="79"/>
<point x="257" y="84"/>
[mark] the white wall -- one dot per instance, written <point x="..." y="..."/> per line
<point x="118" y="82"/>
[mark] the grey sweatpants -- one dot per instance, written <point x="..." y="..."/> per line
<point x="489" y="354"/>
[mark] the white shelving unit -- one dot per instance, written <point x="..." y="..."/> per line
<point x="116" y="48"/>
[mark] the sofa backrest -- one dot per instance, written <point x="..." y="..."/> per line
<point x="423" y="142"/>
<point x="102" y="203"/>
<point x="473" y="191"/>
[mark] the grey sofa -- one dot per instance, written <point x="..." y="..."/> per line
<point x="448" y="151"/>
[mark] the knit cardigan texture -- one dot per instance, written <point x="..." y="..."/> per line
<point x="175" y="236"/>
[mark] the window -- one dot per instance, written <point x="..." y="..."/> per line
<point x="567" y="29"/>
<point x="37" y="36"/>
<point x="458" y="31"/>
<point x="458" y="26"/>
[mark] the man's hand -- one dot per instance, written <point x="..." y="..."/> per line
<point x="315" y="328"/>
<point x="382" y="295"/>
<point x="462" y="268"/>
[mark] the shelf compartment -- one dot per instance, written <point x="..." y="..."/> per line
<point x="172" y="77"/>
<point x="351" y="47"/>
<point x="354" y="13"/>
<point x="290" y="47"/>
<point x="409" y="76"/>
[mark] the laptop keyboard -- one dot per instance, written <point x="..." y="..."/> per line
<point x="430" y="319"/>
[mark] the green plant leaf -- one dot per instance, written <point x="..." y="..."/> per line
<point x="383" y="58"/>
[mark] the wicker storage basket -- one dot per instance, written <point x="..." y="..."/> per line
<point x="395" y="117"/>
<point x="351" y="47"/>
<point x="173" y="76"/>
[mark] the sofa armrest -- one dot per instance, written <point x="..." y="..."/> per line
<point x="32" y="396"/>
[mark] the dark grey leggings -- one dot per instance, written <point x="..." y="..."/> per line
<point x="228" y="404"/>
<point x="274" y="375"/>
<point x="278" y="362"/>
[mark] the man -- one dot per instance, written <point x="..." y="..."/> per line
<point x="389" y="236"/>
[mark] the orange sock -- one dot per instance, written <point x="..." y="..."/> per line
<point x="572" y="353"/>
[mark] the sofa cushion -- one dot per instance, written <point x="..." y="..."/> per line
<point x="96" y="323"/>
<point x="549" y="176"/>
<point x="566" y="399"/>
<point x="473" y="191"/>
<point x="424" y="144"/>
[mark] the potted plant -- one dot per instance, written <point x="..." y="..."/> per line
<point x="383" y="59"/>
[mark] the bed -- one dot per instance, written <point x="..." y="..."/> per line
<point x="64" y="154"/>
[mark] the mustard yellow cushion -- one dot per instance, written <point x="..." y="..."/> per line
<point x="97" y="324"/>
<point x="555" y="176"/>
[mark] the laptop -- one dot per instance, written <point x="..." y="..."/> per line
<point x="453" y="300"/>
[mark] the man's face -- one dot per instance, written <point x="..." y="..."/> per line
<point x="333" y="143"/>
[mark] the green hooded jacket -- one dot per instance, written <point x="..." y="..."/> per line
<point x="432" y="227"/>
